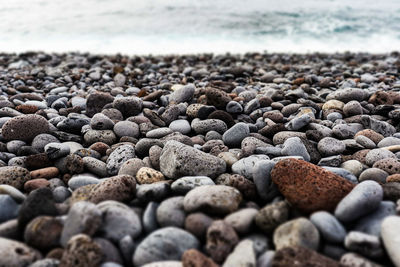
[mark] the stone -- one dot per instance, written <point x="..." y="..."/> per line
<point x="234" y="136"/>
<point x="111" y="254"/>
<point x="13" y="192"/>
<point x="82" y="218"/>
<point x="363" y="199"/>
<point x="170" y="212"/>
<point x="14" y="176"/>
<point x="353" y="259"/>
<point x="378" y="154"/>
<point x="149" y="217"/>
<point x="352" y="108"/>
<point x="301" y="256"/>
<point x="296" y="232"/>
<point x="95" y="166"/>
<point x="329" y="227"/>
<point x="48" y="173"/>
<point x="164" y="244"/>
<point x="245" y="186"/>
<point x="242" y="220"/>
<point x="365" y="142"/>
<point x="182" y="126"/>
<point x="179" y="160"/>
<point x="221" y="239"/>
<point x="120" y="188"/>
<point x="266" y="189"/>
<point x="43" y="232"/>
<point x="14" y="253"/>
<point x="96" y="101"/>
<point x="347" y="94"/>
<point x="213" y="199"/>
<point x="217" y="98"/>
<point x="389" y="165"/>
<point x="381" y="127"/>
<point x="204" y="126"/>
<point x="38" y="202"/>
<point x="298" y="122"/>
<point x="118" y="221"/>
<point x="82" y="179"/>
<point x="197" y="223"/>
<point x="131" y="167"/>
<point x="390" y="237"/>
<point x="129" y="106"/>
<point x="101" y="122"/>
<point x="8" y="208"/>
<point x="153" y="192"/>
<point x="371" y="134"/>
<point x="309" y="187"/>
<point x="118" y="157"/>
<point x="271" y="216"/>
<point x="353" y="166"/>
<point x="147" y="175"/>
<point x="242" y="255"/>
<point x="187" y="183"/>
<point x="35" y="184"/>
<point x="81" y="251"/>
<point x="294" y="147"/>
<point x="374" y="174"/>
<point x="329" y="146"/>
<point x="105" y="136"/>
<point x="32" y="124"/>
<point x="195" y="258"/>
<point x="365" y="244"/>
<point x="245" y="166"/>
<point x="126" y="128"/>
<point x="183" y="94"/>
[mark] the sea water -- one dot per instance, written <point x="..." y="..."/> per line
<point x="187" y="26"/>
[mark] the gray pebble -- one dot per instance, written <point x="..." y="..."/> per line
<point x="245" y="165"/>
<point x="126" y="128"/>
<point x="101" y="122"/>
<point x="363" y="199"/>
<point x="158" y="133"/>
<point x="118" y="157"/>
<point x="329" y="146"/>
<point x="266" y="189"/>
<point x="234" y="136"/>
<point x="204" y="126"/>
<point x="187" y="183"/>
<point x="149" y="217"/>
<point x="234" y="107"/>
<point x="170" y="212"/>
<point x="95" y="166"/>
<point x="374" y="174"/>
<point x="343" y="172"/>
<point x="8" y="208"/>
<point x="82" y="179"/>
<point x="365" y="244"/>
<point x="294" y="147"/>
<point x="181" y="126"/>
<point x="377" y="154"/>
<point x="298" y="122"/>
<point x="56" y="150"/>
<point x="365" y="142"/>
<point x="330" y="228"/>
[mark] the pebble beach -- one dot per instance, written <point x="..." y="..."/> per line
<point x="251" y="160"/>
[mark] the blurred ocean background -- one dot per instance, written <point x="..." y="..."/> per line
<point x="186" y="26"/>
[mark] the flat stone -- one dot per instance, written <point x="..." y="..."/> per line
<point x="330" y="228"/>
<point x="301" y="256"/>
<point x="390" y="237"/>
<point x="187" y="183"/>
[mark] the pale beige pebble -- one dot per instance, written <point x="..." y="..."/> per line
<point x="333" y="104"/>
<point x="147" y="175"/>
<point x="164" y="264"/>
<point x="394" y="148"/>
<point x="14" y="253"/>
<point x="228" y="157"/>
<point x="391" y="237"/>
<point x="353" y="166"/>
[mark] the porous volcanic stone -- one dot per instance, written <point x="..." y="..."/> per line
<point x="309" y="187"/>
<point x="32" y="126"/>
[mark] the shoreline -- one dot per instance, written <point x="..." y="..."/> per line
<point x="199" y="160"/>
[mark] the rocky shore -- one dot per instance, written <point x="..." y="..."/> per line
<point x="203" y="160"/>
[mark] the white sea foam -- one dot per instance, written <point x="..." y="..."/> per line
<point x="184" y="26"/>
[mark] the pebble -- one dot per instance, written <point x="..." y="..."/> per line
<point x="301" y="256"/>
<point x="242" y="220"/>
<point x="221" y="239"/>
<point x="118" y="157"/>
<point x="271" y="216"/>
<point x="187" y="183"/>
<point x="183" y="94"/>
<point x="363" y="199"/>
<point x="126" y="128"/>
<point x="32" y="124"/>
<point x="81" y="251"/>
<point x="308" y="187"/>
<point x="118" y="221"/>
<point x="182" y="126"/>
<point x="120" y="188"/>
<point x="378" y="154"/>
<point x="178" y="160"/>
<point x="170" y="212"/>
<point x="204" y="126"/>
<point x="9" y="208"/>
<point x="14" y="176"/>
<point x="234" y="136"/>
<point x="168" y="243"/>
<point x="101" y="122"/>
<point x="297" y="232"/>
<point x="294" y="147"/>
<point x="82" y="179"/>
<point x="365" y="244"/>
<point x="374" y="174"/>
<point x="245" y="166"/>
<point x="242" y="255"/>
<point x="12" y="192"/>
<point x="56" y="150"/>
<point x="193" y="257"/>
<point x="95" y="166"/>
<point x="218" y="199"/>
<point x="329" y="146"/>
<point x="390" y="237"/>
<point x="14" y="253"/>
<point x="353" y="166"/>
<point x="329" y="227"/>
<point x="389" y="165"/>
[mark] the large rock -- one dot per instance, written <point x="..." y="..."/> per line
<point x="309" y="187"/>
<point x="24" y="127"/>
<point x="14" y="175"/>
<point x="391" y="237"/>
<point x="164" y="244"/>
<point x="179" y="160"/>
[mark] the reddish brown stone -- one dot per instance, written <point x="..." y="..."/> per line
<point x="301" y="257"/>
<point x="359" y="155"/>
<point x="194" y="258"/>
<point x="381" y="98"/>
<point x="27" y="109"/>
<point x="197" y="224"/>
<point x="309" y="187"/>
<point x="100" y="147"/>
<point x="35" y="184"/>
<point x="43" y="232"/>
<point x="393" y="178"/>
<point x="50" y="172"/>
<point x="37" y="161"/>
<point x="371" y="134"/>
<point x="217" y="98"/>
<point x="245" y="186"/>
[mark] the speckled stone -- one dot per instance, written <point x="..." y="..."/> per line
<point x="371" y="134"/>
<point x="221" y="239"/>
<point x="33" y="125"/>
<point x="14" y="253"/>
<point x="147" y="175"/>
<point x="120" y="188"/>
<point x="81" y="251"/>
<point x="389" y="165"/>
<point x="301" y="256"/>
<point x="14" y="176"/>
<point x="309" y="187"/>
<point x="195" y="258"/>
